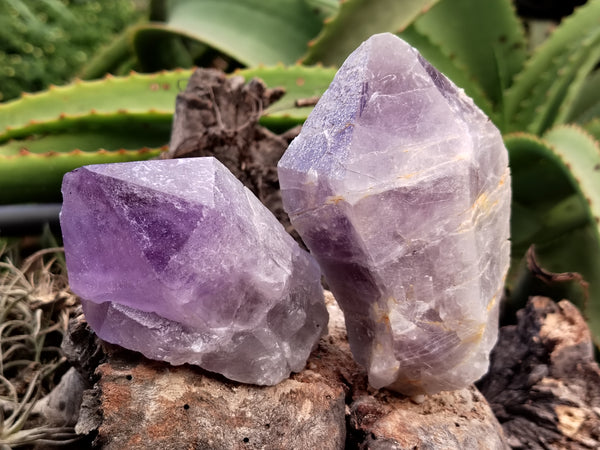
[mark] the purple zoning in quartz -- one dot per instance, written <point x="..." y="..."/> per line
<point x="176" y="259"/>
<point x="399" y="185"/>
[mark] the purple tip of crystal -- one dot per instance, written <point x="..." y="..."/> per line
<point x="176" y="259"/>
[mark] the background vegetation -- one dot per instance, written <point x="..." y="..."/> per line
<point x="44" y="42"/>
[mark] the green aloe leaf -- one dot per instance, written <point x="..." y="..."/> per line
<point x="559" y="211"/>
<point x="593" y="127"/>
<point x="90" y="140"/>
<point x="111" y="56"/>
<point x="357" y="20"/>
<point x="32" y="177"/>
<point x="80" y="117"/>
<point x="323" y="8"/>
<point x="62" y="106"/>
<point x="581" y="153"/>
<point x="137" y="101"/>
<point x="158" y="47"/>
<point x="250" y="31"/>
<point x="586" y="105"/>
<point x="539" y="183"/>
<point x="543" y="93"/>
<point x="485" y="37"/>
<point x="562" y="92"/>
<point x="109" y="123"/>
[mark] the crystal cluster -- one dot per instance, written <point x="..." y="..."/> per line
<point x="177" y="260"/>
<point x="400" y="187"/>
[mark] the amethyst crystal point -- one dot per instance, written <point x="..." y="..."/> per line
<point x="177" y="260"/>
<point x="399" y="185"/>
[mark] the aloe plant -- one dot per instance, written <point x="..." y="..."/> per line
<point x="249" y="32"/>
<point x="556" y="206"/>
<point x="274" y="31"/>
<point x="116" y="119"/>
<point x="546" y="101"/>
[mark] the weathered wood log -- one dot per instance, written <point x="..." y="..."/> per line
<point x="543" y="383"/>
<point x="218" y="116"/>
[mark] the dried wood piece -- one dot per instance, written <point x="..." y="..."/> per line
<point x="543" y="384"/>
<point x="218" y="116"/>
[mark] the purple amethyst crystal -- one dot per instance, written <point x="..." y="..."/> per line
<point x="177" y="260"/>
<point x="400" y="187"/>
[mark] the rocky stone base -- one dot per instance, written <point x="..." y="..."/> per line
<point x="140" y="404"/>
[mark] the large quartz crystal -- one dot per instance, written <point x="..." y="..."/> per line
<point x="400" y="187"/>
<point x="177" y="260"/>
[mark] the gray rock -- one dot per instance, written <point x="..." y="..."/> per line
<point x="61" y="407"/>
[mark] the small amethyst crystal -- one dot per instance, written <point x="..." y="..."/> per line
<point x="177" y="260"/>
<point x="400" y="187"/>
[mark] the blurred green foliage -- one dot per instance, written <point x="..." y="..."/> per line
<point x="45" y="42"/>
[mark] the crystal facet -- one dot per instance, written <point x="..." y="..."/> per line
<point x="177" y="260"/>
<point x="399" y="185"/>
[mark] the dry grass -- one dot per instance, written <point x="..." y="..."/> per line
<point x="35" y="305"/>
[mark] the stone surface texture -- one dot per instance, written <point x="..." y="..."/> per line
<point x="399" y="185"/>
<point x="459" y="419"/>
<point x="60" y="408"/>
<point x="177" y="260"/>
<point x="140" y="404"/>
